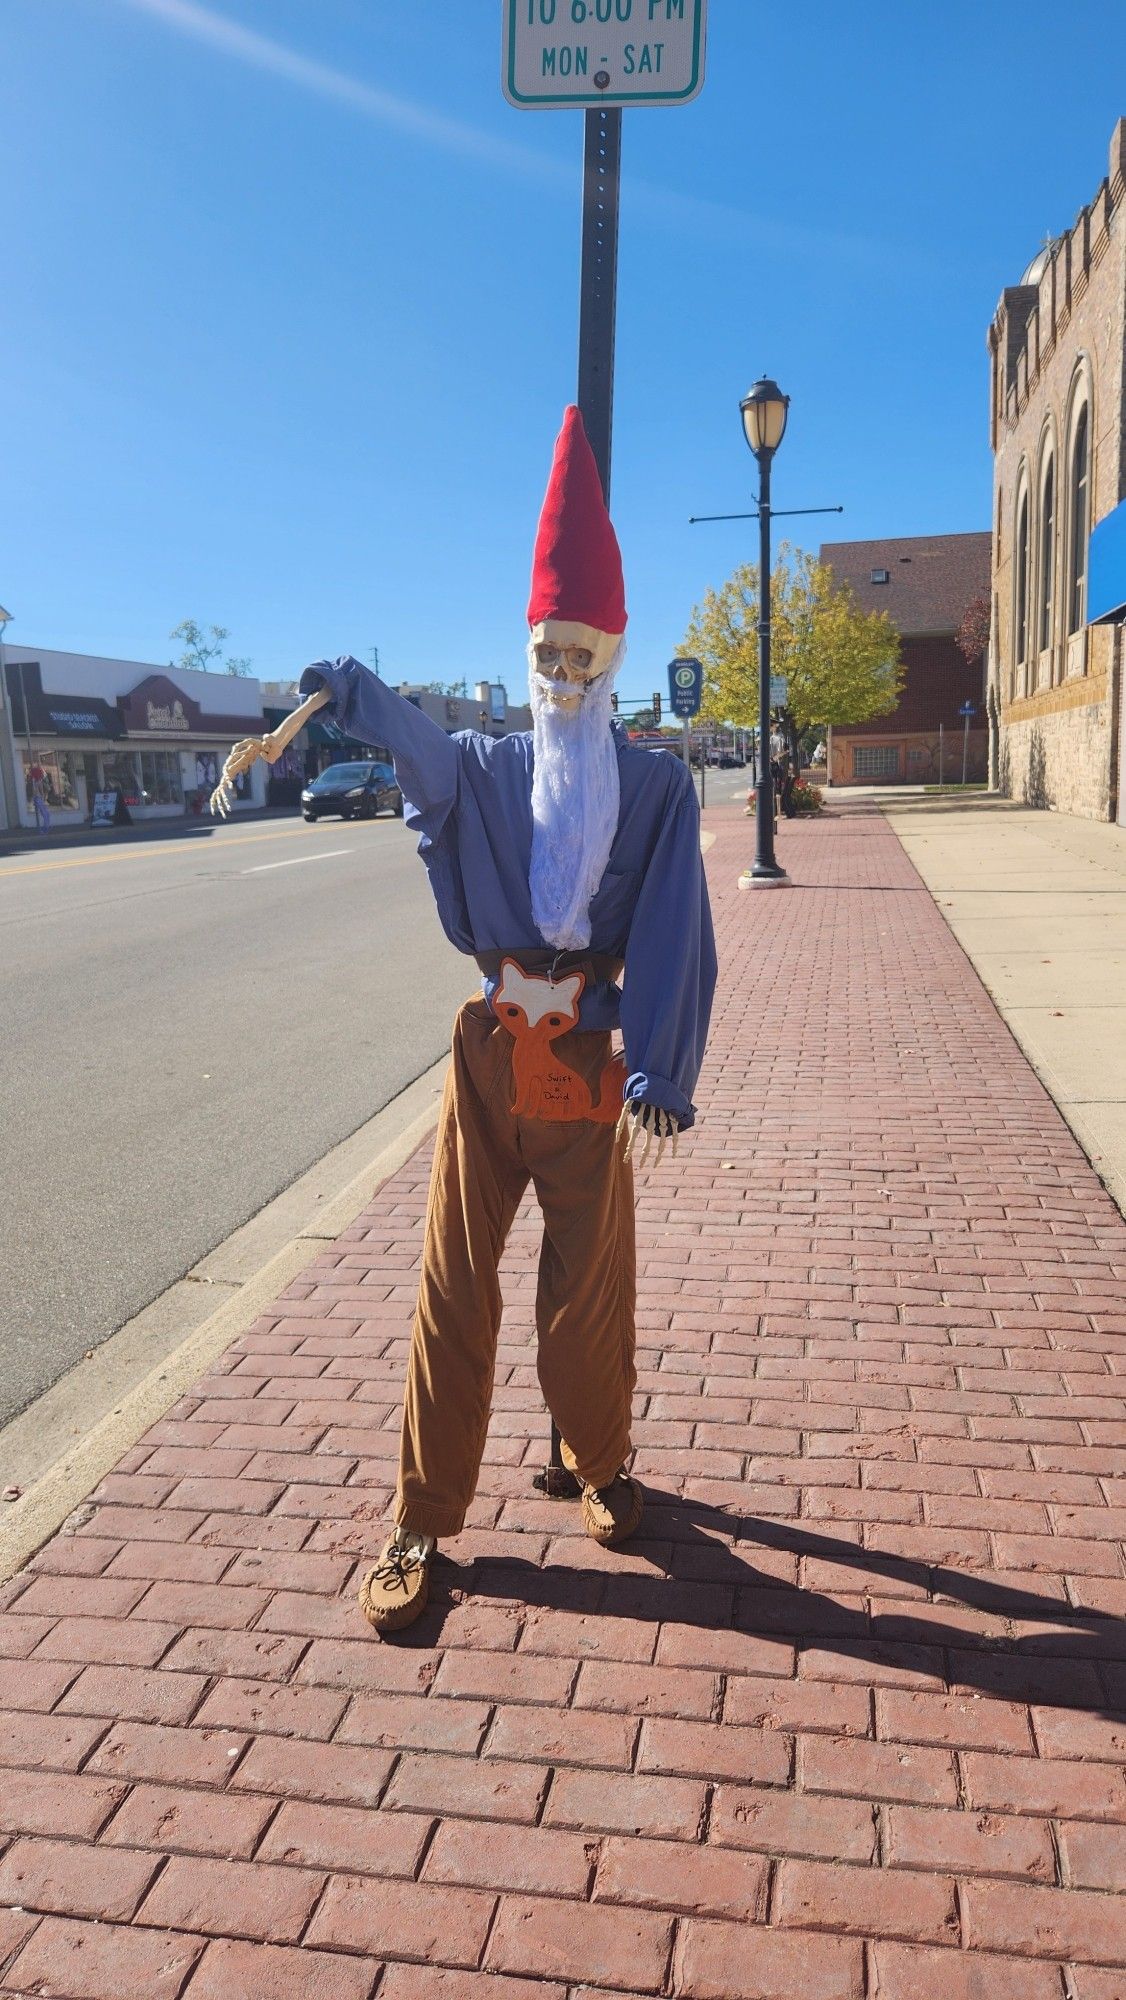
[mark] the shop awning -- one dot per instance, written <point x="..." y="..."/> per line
<point x="56" y="714"/>
<point x="1106" y="569"/>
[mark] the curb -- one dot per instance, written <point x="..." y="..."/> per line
<point x="45" y="1507"/>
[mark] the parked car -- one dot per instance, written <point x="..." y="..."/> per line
<point x="355" y="791"/>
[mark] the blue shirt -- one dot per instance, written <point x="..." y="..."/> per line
<point x="470" y="798"/>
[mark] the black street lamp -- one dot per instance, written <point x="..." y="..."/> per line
<point x="764" y="410"/>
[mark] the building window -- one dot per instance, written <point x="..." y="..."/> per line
<point x="1022" y="583"/>
<point x="875" y="760"/>
<point x="881" y="576"/>
<point x="1077" y="566"/>
<point x="52" y="774"/>
<point x="120" y="774"/>
<point x="160" y="778"/>
<point x="1047" y="553"/>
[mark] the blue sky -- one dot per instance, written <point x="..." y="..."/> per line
<point x="290" y="306"/>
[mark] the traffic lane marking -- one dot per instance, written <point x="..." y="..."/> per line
<point x="148" y="853"/>
<point x="296" y="860"/>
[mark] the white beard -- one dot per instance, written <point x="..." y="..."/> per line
<point x="575" y="802"/>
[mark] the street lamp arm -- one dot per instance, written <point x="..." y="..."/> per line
<point x="776" y="514"/>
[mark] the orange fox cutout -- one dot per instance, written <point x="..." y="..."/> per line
<point x="536" y="1011"/>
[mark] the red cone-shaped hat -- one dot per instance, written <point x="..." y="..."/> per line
<point x="578" y="593"/>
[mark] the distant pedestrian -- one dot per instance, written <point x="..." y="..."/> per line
<point x="788" y="781"/>
<point x="39" y="799"/>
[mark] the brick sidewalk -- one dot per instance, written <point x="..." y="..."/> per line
<point x="842" y="1724"/>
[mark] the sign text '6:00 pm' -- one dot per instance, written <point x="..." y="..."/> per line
<point x="576" y="52"/>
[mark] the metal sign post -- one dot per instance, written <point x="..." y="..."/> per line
<point x="599" y="55"/>
<point x="966" y="710"/>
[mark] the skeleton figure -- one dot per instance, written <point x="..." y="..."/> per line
<point x="558" y="859"/>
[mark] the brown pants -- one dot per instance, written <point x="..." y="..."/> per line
<point x="483" y="1160"/>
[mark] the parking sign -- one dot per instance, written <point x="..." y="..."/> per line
<point x="686" y="686"/>
<point x="588" y="52"/>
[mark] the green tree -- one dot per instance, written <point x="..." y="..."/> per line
<point x="201" y="647"/>
<point x="841" y="663"/>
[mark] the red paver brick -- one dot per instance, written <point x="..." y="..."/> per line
<point x="111" y="1642"/>
<point x="719" y="1961"/>
<point x="68" y="1879"/>
<point x="179" y="1819"/>
<point x="1045" y="1785"/>
<point x="46" y="1742"/>
<point x="492" y="1789"/>
<point x="86" y="1961"/>
<point x="38" y="1684"/>
<point x="710" y="1750"/>
<point x="81" y="1596"/>
<point x="346" y="1837"/>
<point x="1079" y="1924"/>
<point x="915" y="1972"/>
<point x="979" y="1843"/>
<point x="826" y="1895"/>
<point x="612" y="1947"/>
<point x="535" y="1861"/>
<point x="610" y="1802"/>
<point x="563" y="1736"/>
<point x="257" y="1655"/>
<point x="1065" y="1732"/>
<point x="432" y="1982"/>
<point x="264" y="1706"/>
<point x="956" y="1719"/>
<point x="674" y="1691"/>
<point x="795" y="1705"/>
<point x="229" y="1606"/>
<point x="46" y="1802"/>
<point x="420" y="1722"/>
<point x="231" y="1967"/>
<point x="16" y="1927"/>
<point x="422" y="1919"/>
<point x="19" y="1636"/>
<point x="1095" y="1856"/>
<point x="133" y="1694"/>
<point x="357" y="1664"/>
<point x="233" y="1898"/>
<point x="794" y="1823"/>
<point x="167" y="1756"/>
<point x="502" y="1678"/>
<point x="343" y="1774"/>
<point x="878" y="1770"/>
<point x="667" y="1875"/>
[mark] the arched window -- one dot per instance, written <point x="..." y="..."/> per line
<point x="1077" y="555"/>
<point x="1047" y="553"/>
<point x="1022" y="582"/>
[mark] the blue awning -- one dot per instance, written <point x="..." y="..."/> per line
<point x="1106" y="569"/>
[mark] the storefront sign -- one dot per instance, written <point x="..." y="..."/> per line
<point x="107" y="809"/>
<point x="74" y="721"/>
<point x="55" y="714"/>
<point x="574" y="52"/>
<point x="158" y="707"/>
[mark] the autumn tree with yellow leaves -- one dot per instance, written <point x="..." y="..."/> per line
<point x="841" y="663"/>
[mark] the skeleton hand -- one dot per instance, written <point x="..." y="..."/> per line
<point x="241" y="758"/>
<point x="637" y="1116"/>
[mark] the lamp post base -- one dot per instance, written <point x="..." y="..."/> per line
<point x="778" y="879"/>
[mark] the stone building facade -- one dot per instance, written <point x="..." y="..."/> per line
<point x="1057" y="347"/>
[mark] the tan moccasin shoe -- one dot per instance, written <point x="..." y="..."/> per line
<point x="611" y="1513"/>
<point x="396" y="1591"/>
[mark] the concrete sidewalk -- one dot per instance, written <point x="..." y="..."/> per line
<point x="1038" y="901"/>
<point x="846" y="1722"/>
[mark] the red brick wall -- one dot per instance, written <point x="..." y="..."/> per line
<point x="938" y="680"/>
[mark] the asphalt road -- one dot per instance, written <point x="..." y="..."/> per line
<point x="189" y="1024"/>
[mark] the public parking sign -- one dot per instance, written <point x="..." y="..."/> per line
<point x="686" y="687"/>
<point x="575" y="52"/>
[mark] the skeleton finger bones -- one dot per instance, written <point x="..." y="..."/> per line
<point x="656" y="1124"/>
<point x="241" y="758"/>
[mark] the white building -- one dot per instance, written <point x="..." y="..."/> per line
<point x="82" y="725"/>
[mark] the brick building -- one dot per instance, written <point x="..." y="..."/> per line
<point x="925" y="583"/>
<point x="1057" y="346"/>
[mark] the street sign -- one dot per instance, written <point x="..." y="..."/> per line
<point x="779" y="691"/>
<point x="686" y="687"/>
<point x="968" y="708"/>
<point x="602" y="52"/>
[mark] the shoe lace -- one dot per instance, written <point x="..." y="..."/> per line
<point x="394" y="1565"/>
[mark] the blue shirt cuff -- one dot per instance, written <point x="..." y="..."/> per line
<point x="642" y="1088"/>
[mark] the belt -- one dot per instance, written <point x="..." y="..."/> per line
<point x="600" y="969"/>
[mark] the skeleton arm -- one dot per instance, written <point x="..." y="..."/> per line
<point x="637" y="1116"/>
<point x="270" y="747"/>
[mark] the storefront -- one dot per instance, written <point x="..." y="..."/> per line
<point x="85" y="728"/>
